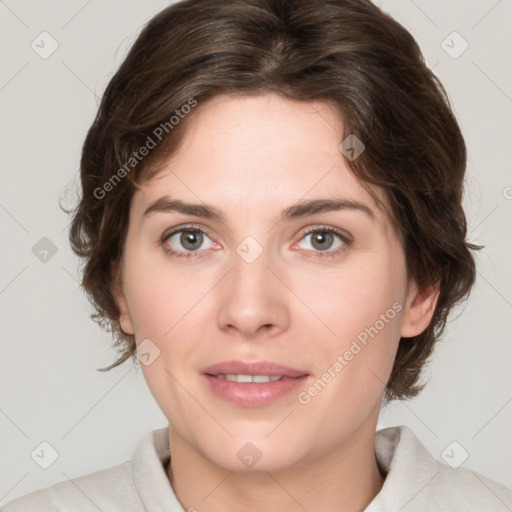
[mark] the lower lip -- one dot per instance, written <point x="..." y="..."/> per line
<point x="253" y="394"/>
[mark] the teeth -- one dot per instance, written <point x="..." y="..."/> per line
<point x="249" y="378"/>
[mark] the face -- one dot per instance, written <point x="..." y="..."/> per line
<point x="315" y="296"/>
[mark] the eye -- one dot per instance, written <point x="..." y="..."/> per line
<point x="188" y="241"/>
<point x="185" y="241"/>
<point x="326" y="241"/>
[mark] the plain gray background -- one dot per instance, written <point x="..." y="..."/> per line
<point x="50" y="390"/>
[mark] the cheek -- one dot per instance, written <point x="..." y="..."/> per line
<point x="354" y="297"/>
<point x="359" y="311"/>
<point x="168" y="307"/>
<point x="160" y="295"/>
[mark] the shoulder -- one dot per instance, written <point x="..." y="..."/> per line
<point x="464" y="489"/>
<point x="134" y="486"/>
<point x="107" y="489"/>
<point x="416" y="481"/>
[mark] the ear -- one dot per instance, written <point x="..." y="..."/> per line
<point x="120" y="298"/>
<point x="420" y="306"/>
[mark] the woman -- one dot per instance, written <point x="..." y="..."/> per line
<point x="271" y="223"/>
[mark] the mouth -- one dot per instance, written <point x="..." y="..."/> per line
<point x="249" y="378"/>
<point x="252" y="384"/>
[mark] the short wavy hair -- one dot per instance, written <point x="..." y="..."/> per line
<point x="348" y="53"/>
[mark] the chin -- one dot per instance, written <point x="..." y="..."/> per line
<point x="249" y="459"/>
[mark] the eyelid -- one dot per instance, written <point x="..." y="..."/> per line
<point x="346" y="237"/>
<point x="185" y="227"/>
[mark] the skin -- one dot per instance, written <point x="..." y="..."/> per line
<point x="252" y="157"/>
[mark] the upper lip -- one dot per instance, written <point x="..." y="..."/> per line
<point x="253" y="368"/>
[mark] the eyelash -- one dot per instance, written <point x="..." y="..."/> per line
<point x="195" y="254"/>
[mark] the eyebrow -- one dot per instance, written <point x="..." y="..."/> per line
<point x="301" y="209"/>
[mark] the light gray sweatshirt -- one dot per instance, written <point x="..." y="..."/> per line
<point x="415" y="481"/>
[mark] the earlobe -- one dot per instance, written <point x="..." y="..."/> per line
<point x="419" y="309"/>
<point x="119" y="295"/>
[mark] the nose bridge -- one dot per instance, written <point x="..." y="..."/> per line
<point x="250" y="275"/>
<point x="252" y="295"/>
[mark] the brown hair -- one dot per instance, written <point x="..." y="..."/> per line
<point x="345" y="52"/>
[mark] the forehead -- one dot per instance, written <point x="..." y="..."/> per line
<point x="265" y="151"/>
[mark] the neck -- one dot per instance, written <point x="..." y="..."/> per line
<point x="345" y="479"/>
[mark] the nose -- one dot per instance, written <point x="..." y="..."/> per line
<point x="253" y="300"/>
